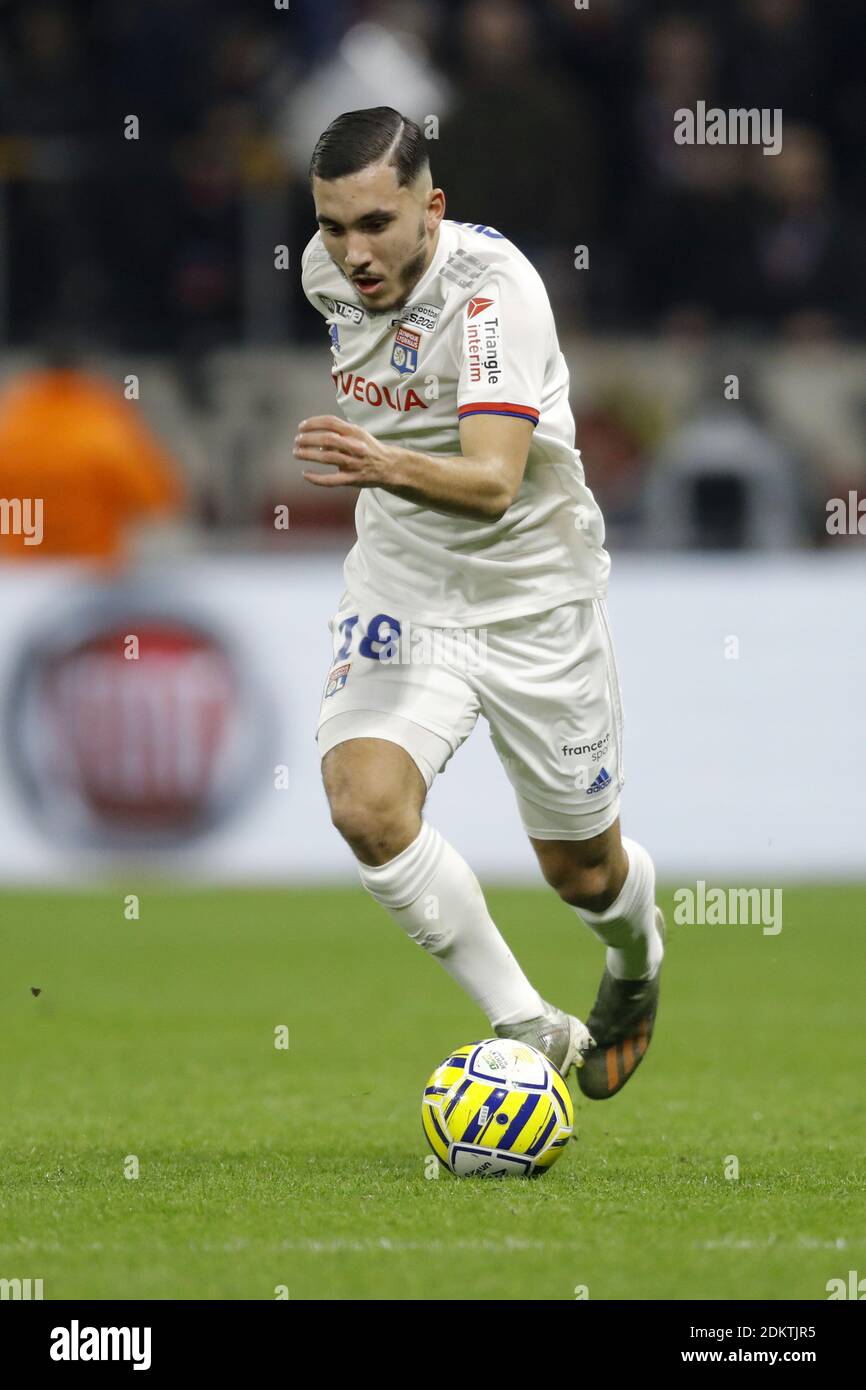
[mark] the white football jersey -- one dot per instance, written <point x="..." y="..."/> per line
<point x="477" y="336"/>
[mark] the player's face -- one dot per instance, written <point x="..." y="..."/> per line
<point x="380" y="235"/>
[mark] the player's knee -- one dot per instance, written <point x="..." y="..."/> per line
<point x="375" y="793"/>
<point x="374" y="826"/>
<point x="591" y="884"/>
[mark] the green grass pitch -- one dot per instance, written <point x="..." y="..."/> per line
<point x="305" y="1167"/>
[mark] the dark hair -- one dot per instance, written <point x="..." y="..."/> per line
<point x="359" y="138"/>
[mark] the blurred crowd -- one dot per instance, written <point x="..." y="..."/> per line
<point x="153" y="156"/>
<point x="555" y="125"/>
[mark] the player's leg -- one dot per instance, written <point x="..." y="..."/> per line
<point x="560" y="741"/>
<point x="376" y="790"/>
<point x="386" y="728"/>
<point x="611" y="884"/>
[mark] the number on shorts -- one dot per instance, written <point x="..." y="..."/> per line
<point x="347" y="627"/>
<point x="374" y="634"/>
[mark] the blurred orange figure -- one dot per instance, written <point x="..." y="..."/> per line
<point x="77" y="465"/>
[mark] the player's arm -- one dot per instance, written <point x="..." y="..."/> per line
<point x="480" y="482"/>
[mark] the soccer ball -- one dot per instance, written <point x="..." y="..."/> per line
<point x="497" y="1108"/>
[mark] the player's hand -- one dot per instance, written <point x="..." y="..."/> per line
<point x="360" y="460"/>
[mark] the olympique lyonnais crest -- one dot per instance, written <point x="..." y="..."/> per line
<point x="337" y="679"/>
<point x="405" y="352"/>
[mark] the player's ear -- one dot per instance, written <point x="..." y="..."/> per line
<point x="435" y="208"/>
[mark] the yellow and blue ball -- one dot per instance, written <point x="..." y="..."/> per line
<point x="497" y="1108"/>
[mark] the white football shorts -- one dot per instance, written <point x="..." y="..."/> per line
<point x="546" y="684"/>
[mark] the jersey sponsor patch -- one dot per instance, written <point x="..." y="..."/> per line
<point x="405" y="352"/>
<point x="337" y="679"/>
<point x="352" y="312"/>
<point x="423" y="316"/>
<point x="477" y="305"/>
<point x="394" y="398"/>
<point x="596" y="748"/>
<point x="483" y="349"/>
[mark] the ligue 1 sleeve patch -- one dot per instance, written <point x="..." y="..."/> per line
<point x="337" y="679"/>
<point x="405" y="352"/>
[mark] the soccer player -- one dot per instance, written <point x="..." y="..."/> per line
<point x="476" y="586"/>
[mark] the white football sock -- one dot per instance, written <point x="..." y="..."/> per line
<point x="431" y="892"/>
<point x="627" y="927"/>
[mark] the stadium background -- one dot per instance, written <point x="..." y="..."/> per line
<point x="152" y="260"/>
<point x="148" y="264"/>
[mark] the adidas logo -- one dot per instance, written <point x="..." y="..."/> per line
<point x="602" y="780"/>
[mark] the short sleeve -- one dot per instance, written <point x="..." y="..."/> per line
<point x="503" y="348"/>
<point x="314" y="259"/>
